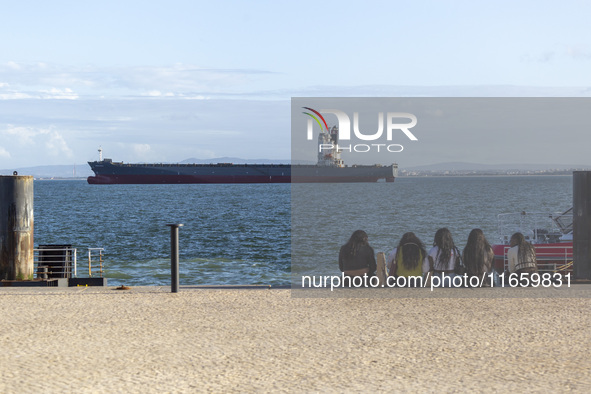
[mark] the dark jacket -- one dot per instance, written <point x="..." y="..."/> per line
<point x="364" y="258"/>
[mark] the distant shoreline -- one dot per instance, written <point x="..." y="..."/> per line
<point x="68" y="172"/>
<point x="478" y="174"/>
<point x="59" y="179"/>
<point x="433" y="175"/>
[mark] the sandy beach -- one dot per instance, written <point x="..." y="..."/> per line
<point x="147" y="339"/>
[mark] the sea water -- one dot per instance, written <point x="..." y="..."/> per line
<point x="241" y="234"/>
<point x="325" y="215"/>
<point x="232" y="234"/>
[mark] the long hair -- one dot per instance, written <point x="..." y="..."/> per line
<point x="477" y="252"/>
<point x="412" y="250"/>
<point x="444" y="241"/>
<point x="357" y="240"/>
<point x="526" y="252"/>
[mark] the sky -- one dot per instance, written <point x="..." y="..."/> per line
<point x="163" y="81"/>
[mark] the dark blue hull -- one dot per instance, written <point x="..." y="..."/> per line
<point x="108" y="172"/>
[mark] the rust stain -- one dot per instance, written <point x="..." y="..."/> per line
<point x="16" y="228"/>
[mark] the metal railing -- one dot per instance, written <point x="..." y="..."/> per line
<point x="564" y="221"/>
<point x="555" y="258"/>
<point x="537" y="227"/>
<point x="95" y="262"/>
<point x="54" y="261"/>
<point x="61" y="261"/>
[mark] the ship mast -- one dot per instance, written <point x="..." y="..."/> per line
<point x="100" y="151"/>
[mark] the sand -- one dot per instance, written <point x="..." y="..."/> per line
<point x="239" y="340"/>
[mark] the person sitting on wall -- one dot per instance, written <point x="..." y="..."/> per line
<point x="408" y="258"/>
<point x="521" y="256"/>
<point x="478" y="257"/>
<point x="356" y="257"/>
<point x="443" y="257"/>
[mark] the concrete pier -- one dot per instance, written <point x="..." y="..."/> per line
<point x="16" y="227"/>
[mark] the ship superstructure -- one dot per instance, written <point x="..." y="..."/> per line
<point x="330" y="157"/>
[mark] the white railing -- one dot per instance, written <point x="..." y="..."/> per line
<point x="95" y="261"/>
<point x="555" y="258"/>
<point x="62" y="262"/>
<point x="54" y="261"/>
<point x="537" y="227"/>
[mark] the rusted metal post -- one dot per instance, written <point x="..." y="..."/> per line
<point x="582" y="224"/>
<point x="174" y="257"/>
<point x="16" y="227"/>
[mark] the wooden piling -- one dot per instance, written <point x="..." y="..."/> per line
<point x="16" y="227"/>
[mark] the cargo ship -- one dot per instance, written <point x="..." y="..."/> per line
<point x="329" y="168"/>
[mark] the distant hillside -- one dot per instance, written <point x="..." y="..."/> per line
<point x="461" y="166"/>
<point x="83" y="170"/>
<point x="234" y="160"/>
<point x="60" y="171"/>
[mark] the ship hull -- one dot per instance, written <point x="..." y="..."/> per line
<point x="182" y="179"/>
<point x="109" y="173"/>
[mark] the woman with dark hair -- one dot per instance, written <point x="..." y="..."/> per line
<point x="478" y="256"/>
<point x="443" y="255"/>
<point x="521" y="255"/>
<point x="408" y="257"/>
<point x="356" y="257"/>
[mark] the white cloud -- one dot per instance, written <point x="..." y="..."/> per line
<point x="578" y="53"/>
<point x="59" y="94"/>
<point x="544" y="57"/>
<point x="573" y="52"/>
<point x="157" y="93"/>
<point x="32" y="138"/>
<point x="16" y="92"/>
<point x="4" y="153"/>
<point x="15" y="96"/>
<point x="23" y="135"/>
<point x="51" y="81"/>
<point x="141" y="149"/>
<point x="215" y="132"/>
<point x="57" y="146"/>
<point x="13" y="65"/>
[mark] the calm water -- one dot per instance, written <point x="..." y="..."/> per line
<point x="232" y="234"/>
<point x="324" y="216"/>
<point x="240" y="234"/>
